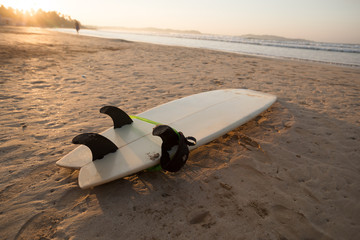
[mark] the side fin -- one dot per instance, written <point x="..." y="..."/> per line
<point x="98" y="144"/>
<point x="119" y="117"/>
<point x="168" y="136"/>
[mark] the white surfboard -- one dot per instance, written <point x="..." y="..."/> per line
<point x="205" y="116"/>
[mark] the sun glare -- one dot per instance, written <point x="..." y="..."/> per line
<point x="27" y="5"/>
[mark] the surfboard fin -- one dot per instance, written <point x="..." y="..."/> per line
<point x="171" y="138"/>
<point x="98" y="144"/>
<point x="167" y="135"/>
<point x="119" y="117"/>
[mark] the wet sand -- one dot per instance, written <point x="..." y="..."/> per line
<point x="290" y="173"/>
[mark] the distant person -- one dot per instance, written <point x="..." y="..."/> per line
<point x="77" y="26"/>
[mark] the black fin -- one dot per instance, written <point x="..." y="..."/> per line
<point x="98" y="144"/>
<point x="168" y="136"/>
<point x="171" y="138"/>
<point x="175" y="163"/>
<point x="119" y="117"/>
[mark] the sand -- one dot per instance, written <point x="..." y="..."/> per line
<point x="291" y="173"/>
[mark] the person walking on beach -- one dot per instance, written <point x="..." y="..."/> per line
<point x="77" y="26"/>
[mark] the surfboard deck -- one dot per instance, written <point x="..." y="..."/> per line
<point x="206" y="116"/>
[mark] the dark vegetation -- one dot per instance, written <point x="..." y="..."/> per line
<point x="39" y="18"/>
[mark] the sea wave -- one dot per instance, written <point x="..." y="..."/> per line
<point x="276" y="47"/>
<point x="304" y="44"/>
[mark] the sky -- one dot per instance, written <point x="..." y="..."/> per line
<point x="318" y="20"/>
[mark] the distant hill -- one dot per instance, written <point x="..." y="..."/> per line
<point x="153" y="30"/>
<point x="272" y="37"/>
<point x="168" y="30"/>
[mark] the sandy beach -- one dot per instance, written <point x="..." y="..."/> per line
<point x="291" y="173"/>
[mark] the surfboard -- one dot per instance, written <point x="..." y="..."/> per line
<point x="206" y="116"/>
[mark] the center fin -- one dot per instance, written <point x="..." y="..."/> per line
<point x="119" y="117"/>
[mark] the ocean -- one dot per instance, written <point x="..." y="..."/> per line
<point x="333" y="53"/>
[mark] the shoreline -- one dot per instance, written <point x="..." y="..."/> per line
<point x="290" y="173"/>
<point x="111" y="35"/>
